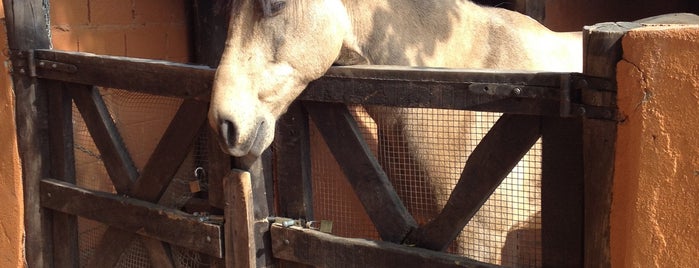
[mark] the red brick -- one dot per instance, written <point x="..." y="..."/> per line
<point x="69" y="12"/>
<point x="102" y="41"/>
<point x="178" y="42"/>
<point x="110" y="12"/>
<point x="148" y="41"/>
<point x="160" y="11"/>
<point x="64" y="38"/>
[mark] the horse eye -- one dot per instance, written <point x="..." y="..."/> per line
<point x="276" y="7"/>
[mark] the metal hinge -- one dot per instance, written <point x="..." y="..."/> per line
<point x="588" y="97"/>
<point x="24" y="62"/>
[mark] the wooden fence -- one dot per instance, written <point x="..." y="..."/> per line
<point x="573" y="113"/>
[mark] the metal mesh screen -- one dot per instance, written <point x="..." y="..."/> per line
<point x="423" y="151"/>
<point x="141" y="120"/>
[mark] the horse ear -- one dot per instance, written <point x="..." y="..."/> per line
<point x="351" y="55"/>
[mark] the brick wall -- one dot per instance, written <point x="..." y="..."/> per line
<point x="155" y="29"/>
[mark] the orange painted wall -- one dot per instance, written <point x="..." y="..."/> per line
<point x="656" y="189"/>
<point x="12" y="212"/>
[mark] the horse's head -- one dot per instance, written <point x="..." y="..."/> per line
<point x="274" y="49"/>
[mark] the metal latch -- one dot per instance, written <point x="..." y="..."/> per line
<point x="322" y="226"/>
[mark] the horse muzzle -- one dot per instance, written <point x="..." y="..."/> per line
<point x="239" y="143"/>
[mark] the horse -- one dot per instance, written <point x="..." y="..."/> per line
<point x="275" y="48"/>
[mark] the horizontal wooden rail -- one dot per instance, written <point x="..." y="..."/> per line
<point x="162" y="223"/>
<point x="148" y="76"/>
<point x="517" y="92"/>
<point x="324" y="250"/>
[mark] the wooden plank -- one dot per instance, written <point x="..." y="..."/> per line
<point x="239" y="220"/>
<point x="28" y="28"/>
<point x="65" y="226"/>
<point x="602" y="50"/>
<point x="539" y="93"/>
<point x="438" y="88"/>
<point x="495" y="156"/>
<point x="210" y="27"/>
<point x="171" y="151"/>
<point x="219" y="166"/>
<point x="562" y="193"/>
<point x="160" y="254"/>
<point x="132" y="215"/>
<point x="260" y="169"/>
<point x="369" y="181"/>
<point x="325" y="250"/>
<point x="104" y="132"/>
<point x="293" y="162"/>
<point x="148" y="76"/>
<point x="156" y="176"/>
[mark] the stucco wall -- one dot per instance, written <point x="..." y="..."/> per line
<point x="11" y="214"/>
<point x="656" y="189"/>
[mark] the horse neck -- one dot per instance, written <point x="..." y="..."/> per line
<point x="407" y="33"/>
<point x="454" y="33"/>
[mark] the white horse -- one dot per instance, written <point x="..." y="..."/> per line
<point x="276" y="47"/>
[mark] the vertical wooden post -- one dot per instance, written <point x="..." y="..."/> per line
<point x="561" y="192"/>
<point x="65" y="226"/>
<point x="210" y="31"/>
<point x="293" y="163"/>
<point x="602" y="43"/>
<point x="27" y="29"/>
<point x="263" y="199"/>
<point x="239" y="220"/>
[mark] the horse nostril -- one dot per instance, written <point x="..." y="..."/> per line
<point x="228" y="133"/>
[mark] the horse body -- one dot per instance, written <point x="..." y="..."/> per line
<point x="275" y="48"/>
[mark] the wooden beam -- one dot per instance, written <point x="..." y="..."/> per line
<point x="210" y="28"/>
<point x="28" y="28"/>
<point x="65" y="226"/>
<point x="495" y="156"/>
<point x="561" y="193"/>
<point x="133" y="215"/>
<point x="148" y="76"/>
<point x="260" y="169"/>
<point x="171" y="151"/>
<point x="239" y="220"/>
<point x="325" y="250"/>
<point x="369" y="181"/>
<point x="294" y="185"/>
<point x="602" y="51"/>
<point x="538" y="93"/>
<point x="156" y="176"/>
<point x="104" y="132"/>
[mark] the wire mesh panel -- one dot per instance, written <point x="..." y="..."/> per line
<point x="141" y="120"/>
<point x="423" y="151"/>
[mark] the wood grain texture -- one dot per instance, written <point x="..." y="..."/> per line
<point x="294" y="185"/>
<point x="325" y="250"/>
<point x="239" y="220"/>
<point x="602" y="51"/>
<point x="135" y="216"/>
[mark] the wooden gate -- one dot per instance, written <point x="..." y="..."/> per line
<point x="574" y="114"/>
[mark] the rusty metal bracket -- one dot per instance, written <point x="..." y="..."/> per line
<point x="25" y="63"/>
<point x="588" y="97"/>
